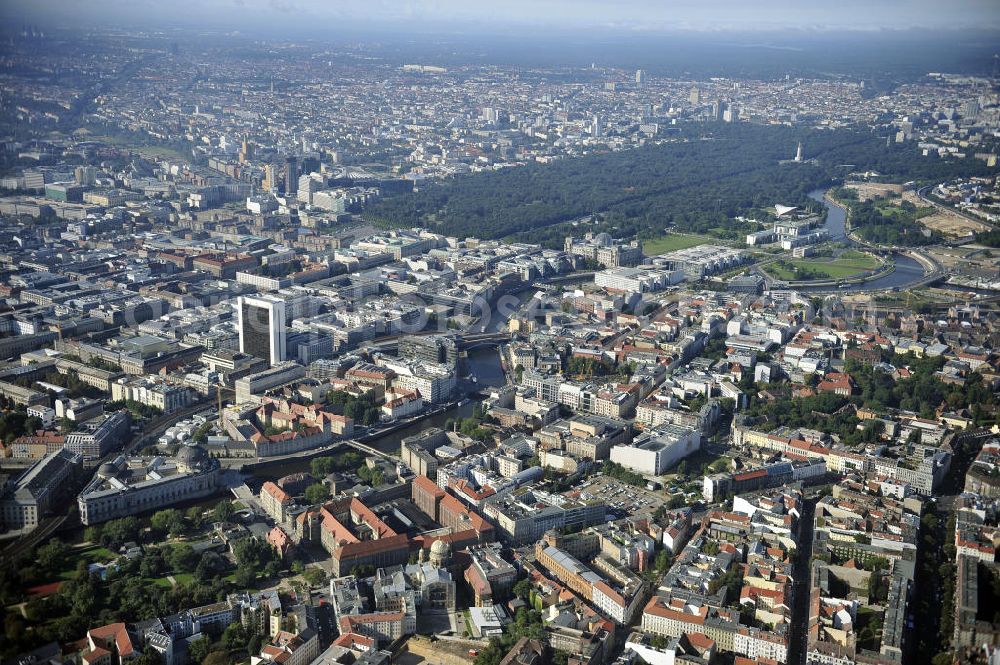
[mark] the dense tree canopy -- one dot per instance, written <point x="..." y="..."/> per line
<point x="989" y="238"/>
<point x="884" y="224"/>
<point x="323" y="466"/>
<point x="698" y="183"/>
<point x="317" y="493"/>
<point x="527" y="623"/>
<point x="362" y="409"/>
<point x="921" y="393"/>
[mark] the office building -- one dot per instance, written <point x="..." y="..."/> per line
<point x="654" y="452"/>
<point x="636" y="280"/>
<point x="262" y="328"/>
<point x="152" y="391"/>
<point x="437" y="349"/>
<point x="417" y="451"/>
<point x="258" y="382"/>
<point x="525" y="515"/>
<point x="291" y="176"/>
<point x="605" y="250"/>
<point x="490" y="576"/>
<point x="97" y="437"/>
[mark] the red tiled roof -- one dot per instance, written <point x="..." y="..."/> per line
<point x="429" y="486"/>
<point x="348" y="622"/>
<point x="656" y="607"/>
<point x="700" y="641"/>
<point x="279" y="495"/>
<point x="115" y="632"/>
<point x="354" y="641"/>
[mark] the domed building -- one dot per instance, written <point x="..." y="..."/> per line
<point x="107" y="470"/>
<point x="426" y="586"/>
<point x="133" y="485"/>
<point x="192" y="458"/>
<point x="440" y="554"/>
<point x="605" y="250"/>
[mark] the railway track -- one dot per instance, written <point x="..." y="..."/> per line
<point x="51" y="525"/>
<point x="28" y="542"/>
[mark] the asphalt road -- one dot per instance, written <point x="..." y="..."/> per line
<point x="799" y="625"/>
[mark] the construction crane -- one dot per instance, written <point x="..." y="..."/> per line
<point x="218" y="393"/>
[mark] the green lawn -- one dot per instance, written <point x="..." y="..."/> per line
<point x="97" y="553"/>
<point x="671" y="242"/>
<point x="162" y="151"/>
<point x="852" y="264"/>
<point x="720" y="465"/>
<point x="160" y="582"/>
<point x="468" y="622"/>
<point x="852" y="255"/>
<point x="90" y="554"/>
<point x="891" y="209"/>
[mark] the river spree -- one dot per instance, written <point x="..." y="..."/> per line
<point x="483" y="363"/>
<point x="907" y="270"/>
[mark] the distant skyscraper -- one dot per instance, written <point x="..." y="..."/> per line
<point x="798" y="152"/>
<point x="695" y="97"/>
<point x="639" y="75"/>
<point x="85" y="175"/>
<point x="270" y="181"/>
<point x="718" y="109"/>
<point x="308" y="185"/>
<point x="309" y="163"/>
<point x="246" y="151"/>
<point x="971" y="109"/>
<point x="262" y="328"/>
<point x="291" y="176"/>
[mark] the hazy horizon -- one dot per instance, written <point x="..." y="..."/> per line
<point x="592" y="16"/>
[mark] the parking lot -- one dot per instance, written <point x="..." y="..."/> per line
<point x="623" y="498"/>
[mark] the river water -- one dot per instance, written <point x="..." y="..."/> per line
<point x="836" y="217"/>
<point x="483" y="363"/>
<point x="907" y="270"/>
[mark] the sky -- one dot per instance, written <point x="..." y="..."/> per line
<point x="599" y="16"/>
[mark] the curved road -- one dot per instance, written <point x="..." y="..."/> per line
<point x="931" y="271"/>
<point x="945" y="208"/>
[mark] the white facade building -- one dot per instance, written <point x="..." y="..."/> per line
<point x="654" y="453"/>
<point x="261" y="323"/>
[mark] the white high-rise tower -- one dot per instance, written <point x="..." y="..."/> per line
<point x="262" y="327"/>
